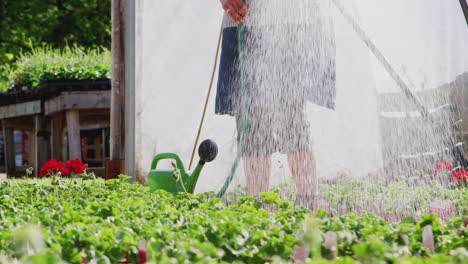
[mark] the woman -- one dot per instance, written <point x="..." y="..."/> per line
<point x="289" y="59"/>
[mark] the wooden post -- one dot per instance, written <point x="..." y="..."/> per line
<point x="41" y="145"/>
<point x="118" y="81"/>
<point x="85" y="147"/>
<point x="130" y="65"/>
<point x="115" y="165"/>
<point x="57" y="136"/>
<point x="74" y="140"/>
<point x="9" y="150"/>
<point x="97" y="148"/>
<point x="113" y="168"/>
<point x="32" y="147"/>
<point x="103" y="145"/>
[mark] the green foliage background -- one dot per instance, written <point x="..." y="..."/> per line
<point x="44" y="64"/>
<point x="57" y="23"/>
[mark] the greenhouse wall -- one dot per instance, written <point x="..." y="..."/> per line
<point x="175" y="49"/>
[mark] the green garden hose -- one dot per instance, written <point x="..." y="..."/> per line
<point x="244" y="110"/>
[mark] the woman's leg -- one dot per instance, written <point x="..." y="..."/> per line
<point x="257" y="172"/>
<point x="259" y="144"/>
<point x="304" y="171"/>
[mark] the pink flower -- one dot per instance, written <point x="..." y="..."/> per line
<point x="442" y="213"/>
<point x="444" y="166"/>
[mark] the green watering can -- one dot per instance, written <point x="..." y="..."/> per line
<point x="178" y="179"/>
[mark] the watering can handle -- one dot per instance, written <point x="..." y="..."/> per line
<point x="173" y="156"/>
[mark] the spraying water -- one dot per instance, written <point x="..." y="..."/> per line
<point x="371" y="132"/>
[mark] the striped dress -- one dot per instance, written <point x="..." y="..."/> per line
<point x="289" y="53"/>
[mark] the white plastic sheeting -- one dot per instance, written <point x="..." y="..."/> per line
<point x="425" y="41"/>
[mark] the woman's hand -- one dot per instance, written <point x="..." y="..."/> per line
<point x="236" y="9"/>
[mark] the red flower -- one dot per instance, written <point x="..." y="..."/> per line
<point x="76" y="166"/>
<point x="125" y="259"/>
<point x="460" y="176"/>
<point x="444" y="166"/>
<point x="51" y="167"/>
<point x="54" y="69"/>
<point x="141" y="256"/>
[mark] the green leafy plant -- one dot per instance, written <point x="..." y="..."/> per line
<point x="71" y="63"/>
<point x="401" y="197"/>
<point x="116" y="221"/>
<point x="4" y="75"/>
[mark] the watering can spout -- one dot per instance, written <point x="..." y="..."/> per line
<point x="207" y="151"/>
<point x="180" y="180"/>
